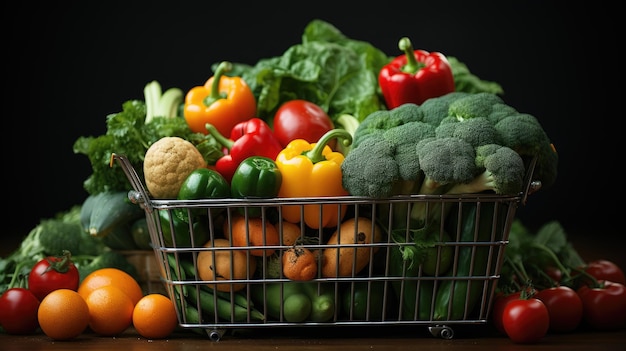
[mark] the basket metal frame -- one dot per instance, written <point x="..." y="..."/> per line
<point x="504" y="213"/>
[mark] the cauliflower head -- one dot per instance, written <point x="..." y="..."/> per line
<point x="167" y="164"/>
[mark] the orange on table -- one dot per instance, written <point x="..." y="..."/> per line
<point x="110" y="310"/>
<point x="63" y="314"/>
<point x="111" y="276"/>
<point x="154" y="316"/>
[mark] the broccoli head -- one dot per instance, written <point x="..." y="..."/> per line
<point x="474" y="105"/>
<point x="382" y="120"/>
<point x="476" y="131"/>
<point x="404" y="138"/>
<point x="370" y="169"/>
<point x="503" y="172"/>
<point x="445" y="161"/>
<point x="523" y="133"/>
<point x="436" y="109"/>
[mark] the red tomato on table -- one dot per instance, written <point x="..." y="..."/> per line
<point x="564" y="307"/>
<point x="52" y="273"/>
<point x="604" y="306"/>
<point x="18" y="311"/>
<point x="526" y="321"/>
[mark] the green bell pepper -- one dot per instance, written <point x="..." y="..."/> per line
<point x="256" y="177"/>
<point x="202" y="183"/>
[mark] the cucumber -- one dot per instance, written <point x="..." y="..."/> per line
<point x="141" y="234"/>
<point x="111" y="209"/>
<point x="86" y="209"/>
<point x="120" y="238"/>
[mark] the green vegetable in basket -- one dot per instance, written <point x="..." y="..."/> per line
<point x="202" y="183"/>
<point x="456" y="298"/>
<point x="256" y="177"/>
<point x="176" y="232"/>
<point x="363" y="300"/>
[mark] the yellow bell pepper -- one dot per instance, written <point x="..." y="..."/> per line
<point x="313" y="170"/>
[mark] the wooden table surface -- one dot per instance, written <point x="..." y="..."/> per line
<point x="313" y="338"/>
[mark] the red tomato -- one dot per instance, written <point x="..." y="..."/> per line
<point x="18" y="311"/>
<point x="604" y="306"/>
<point x="301" y="119"/>
<point x="564" y="307"/>
<point x="52" y="273"/>
<point x="606" y="270"/>
<point x="526" y="321"/>
<point x="500" y="301"/>
<point x="554" y="273"/>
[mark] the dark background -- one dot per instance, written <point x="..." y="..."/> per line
<point x="70" y="65"/>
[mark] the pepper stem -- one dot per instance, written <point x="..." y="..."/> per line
<point x="315" y="154"/>
<point x="215" y="94"/>
<point x="411" y="66"/>
<point x="227" y="143"/>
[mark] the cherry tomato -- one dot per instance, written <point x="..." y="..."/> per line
<point x="18" y="311"/>
<point x="500" y="301"/>
<point x="606" y="270"/>
<point x="564" y="307"/>
<point x="300" y="119"/>
<point x="554" y="273"/>
<point x="604" y="306"/>
<point x="526" y="321"/>
<point x="52" y="273"/>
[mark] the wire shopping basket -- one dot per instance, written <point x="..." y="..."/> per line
<point x="441" y="273"/>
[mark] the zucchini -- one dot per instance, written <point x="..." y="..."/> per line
<point x="109" y="210"/>
<point x="457" y="297"/>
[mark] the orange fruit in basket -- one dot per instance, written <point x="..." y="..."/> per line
<point x="111" y="276"/>
<point x="216" y="265"/>
<point x="63" y="314"/>
<point x="252" y="232"/>
<point x="110" y="310"/>
<point x="154" y="316"/>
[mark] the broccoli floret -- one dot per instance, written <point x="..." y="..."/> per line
<point x="503" y="173"/>
<point x="382" y="120"/>
<point x="370" y="169"/>
<point x="404" y="138"/>
<point x="434" y="110"/>
<point x="476" y="131"/>
<point x="444" y="162"/>
<point x="523" y="133"/>
<point x="474" y="105"/>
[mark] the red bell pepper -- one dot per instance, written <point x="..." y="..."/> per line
<point x="253" y="137"/>
<point x="414" y="77"/>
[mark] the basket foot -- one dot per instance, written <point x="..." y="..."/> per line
<point x="442" y="331"/>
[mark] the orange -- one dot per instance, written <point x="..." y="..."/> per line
<point x="110" y="310"/>
<point x="154" y="316"/>
<point x="63" y="314"/>
<point x="111" y="276"/>
<point x="252" y="232"/>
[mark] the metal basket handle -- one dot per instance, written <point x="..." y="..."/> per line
<point x="139" y="194"/>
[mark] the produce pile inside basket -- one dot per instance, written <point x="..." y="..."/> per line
<point x="332" y="119"/>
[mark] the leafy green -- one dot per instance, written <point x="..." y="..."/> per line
<point x="128" y="134"/>
<point x="337" y="73"/>
<point x="528" y="256"/>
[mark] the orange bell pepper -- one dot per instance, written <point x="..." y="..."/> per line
<point x="313" y="170"/>
<point x="222" y="101"/>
